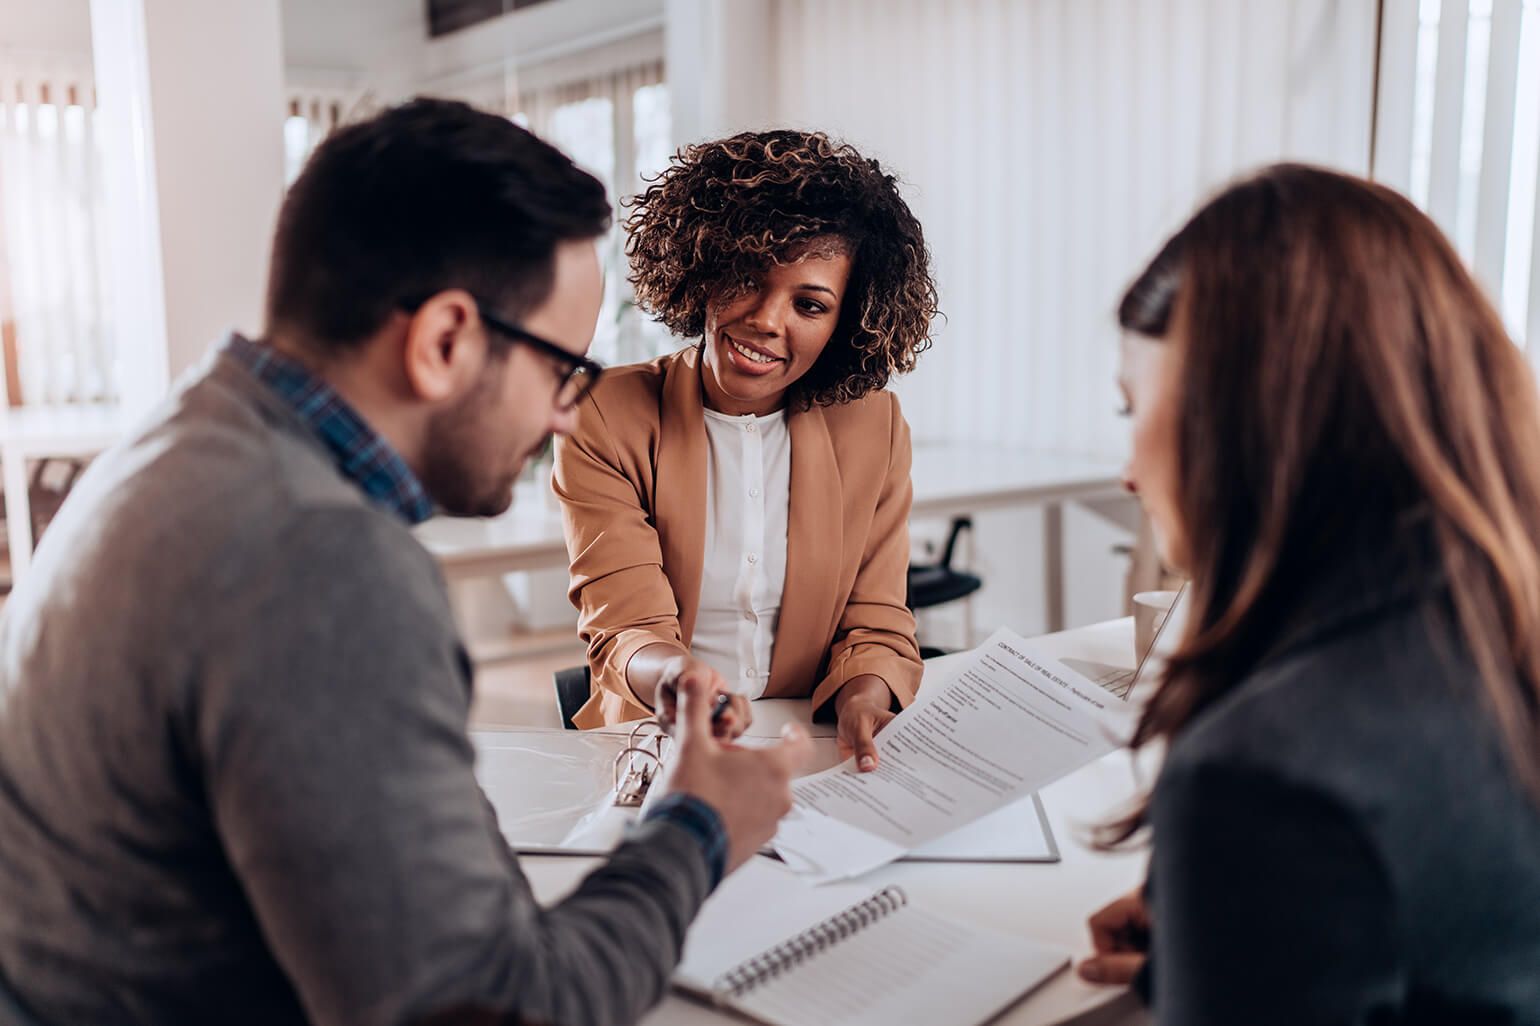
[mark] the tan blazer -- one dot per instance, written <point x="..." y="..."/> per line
<point x="632" y="483"/>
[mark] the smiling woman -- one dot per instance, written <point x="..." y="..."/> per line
<point x="728" y="215"/>
<point x="764" y="468"/>
<point x="761" y="340"/>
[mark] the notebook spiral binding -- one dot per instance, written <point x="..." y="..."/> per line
<point x="761" y="969"/>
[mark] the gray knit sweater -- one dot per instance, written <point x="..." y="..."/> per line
<point x="235" y="782"/>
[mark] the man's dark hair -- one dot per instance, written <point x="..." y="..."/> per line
<point x="426" y="196"/>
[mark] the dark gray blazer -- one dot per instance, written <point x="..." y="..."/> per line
<point x="1340" y="839"/>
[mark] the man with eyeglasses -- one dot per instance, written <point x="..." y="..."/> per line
<point x="235" y="779"/>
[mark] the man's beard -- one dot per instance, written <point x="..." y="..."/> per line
<point x="460" y="457"/>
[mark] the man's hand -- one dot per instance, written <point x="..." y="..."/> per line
<point x="732" y="722"/>
<point x="1120" y="933"/>
<point x="750" y="788"/>
<point x="863" y="707"/>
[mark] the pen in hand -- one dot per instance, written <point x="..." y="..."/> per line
<point x="724" y="702"/>
<point x="719" y="707"/>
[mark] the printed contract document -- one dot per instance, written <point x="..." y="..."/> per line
<point x="1013" y="719"/>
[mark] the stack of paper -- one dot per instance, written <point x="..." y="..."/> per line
<point x="1013" y="719"/>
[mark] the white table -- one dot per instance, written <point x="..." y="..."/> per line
<point x="949" y="480"/>
<point x="1047" y="902"/>
<point x="39" y="432"/>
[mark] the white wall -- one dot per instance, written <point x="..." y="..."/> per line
<point x="54" y="26"/>
<point x="337" y="41"/>
<point x="722" y="65"/>
<point x="1048" y="147"/>
<point x="536" y="35"/>
<point x="191" y="120"/>
<point x="378" y="42"/>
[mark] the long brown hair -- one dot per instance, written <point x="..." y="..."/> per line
<point x="1339" y="369"/>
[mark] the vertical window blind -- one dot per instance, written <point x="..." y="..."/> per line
<point x="616" y="125"/>
<point x="58" y="342"/>
<point x="1047" y="147"/>
<point x="1457" y="128"/>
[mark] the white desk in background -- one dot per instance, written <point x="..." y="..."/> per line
<point x="40" y="432"/>
<point x="956" y="480"/>
<point x="949" y="480"/>
<point x="1046" y="902"/>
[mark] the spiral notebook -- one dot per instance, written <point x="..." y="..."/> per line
<point x="783" y="952"/>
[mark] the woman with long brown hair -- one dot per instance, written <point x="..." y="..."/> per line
<point x="1336" y="439"/>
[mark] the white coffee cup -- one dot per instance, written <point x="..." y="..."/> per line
<point x="1150" y="611"/>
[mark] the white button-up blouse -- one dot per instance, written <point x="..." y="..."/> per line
<point x="748" y="492"/>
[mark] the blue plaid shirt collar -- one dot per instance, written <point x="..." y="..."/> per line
<point x="362" y="456"/>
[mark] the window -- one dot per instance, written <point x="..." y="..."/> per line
<point x="57" y="339"/>
<point x="313" y="114"/>
<point x="1458" y="130"/>
<point x="617" y="127"/>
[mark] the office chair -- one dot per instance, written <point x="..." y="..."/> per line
<point x="935" y="584"/>
<point x="573" y="686"/>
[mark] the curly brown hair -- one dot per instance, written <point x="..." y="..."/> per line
<point x="723" y="211"/>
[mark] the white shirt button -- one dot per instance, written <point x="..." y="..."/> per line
<point x="753" y="558"/>
<point x="747" y="615"/>
<point x="748" y="427"/>
<point x="749" y="674"/>
<point x="753" y="493"/>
